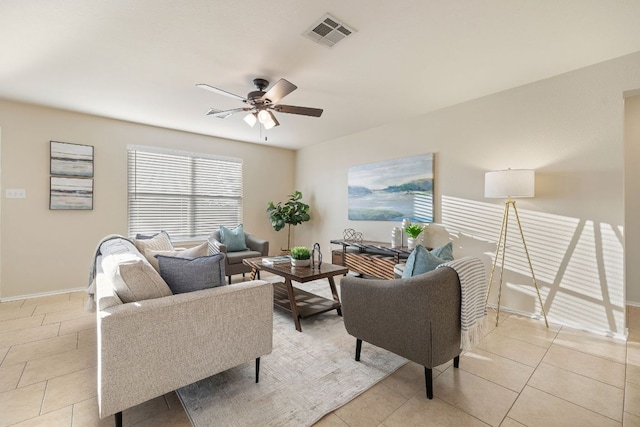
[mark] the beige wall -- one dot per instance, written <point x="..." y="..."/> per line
<point x="46" y="251"/>
<point x="568" y="128"/>
<point x="632" y="199"/>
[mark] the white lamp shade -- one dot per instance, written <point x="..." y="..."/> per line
<point x="264" y="116"/>
<point x="251" y="119"/>
<point x="509" y="183"/>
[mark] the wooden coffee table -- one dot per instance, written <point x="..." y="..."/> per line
<point x="305" y="303"/>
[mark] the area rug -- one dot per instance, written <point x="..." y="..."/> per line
<point x="308" y="375"/>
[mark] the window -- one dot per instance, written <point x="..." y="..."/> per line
<point x="185" y="194"/>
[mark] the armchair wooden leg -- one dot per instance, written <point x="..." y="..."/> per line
<point x="118" y="417"/>
<point x="258" y="274"/>
<point x="229" y="279"/>
<point x="358" y="349"/>
<point x="456" y="362"/>
<point x="428" y="378"/>
<point x="257" y="369"/>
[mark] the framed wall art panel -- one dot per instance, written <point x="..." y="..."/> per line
<point x="71" y="193"/>
<point x="392" y="190"/>
<point x="71" y="159"/>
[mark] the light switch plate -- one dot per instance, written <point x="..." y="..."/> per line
<point x="16" y="193"/>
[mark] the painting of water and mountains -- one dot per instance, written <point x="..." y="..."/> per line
<point x="392" y="190"/>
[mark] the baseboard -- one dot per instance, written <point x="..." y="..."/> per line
<point x="633" y="304"/>
<point x="616" y="335"/>
<point x="43" y="294"/>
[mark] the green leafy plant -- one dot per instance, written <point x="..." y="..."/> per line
<point x="291" y="212"/>
<point x="300" y="252"/>
<point x="413" y="230"/>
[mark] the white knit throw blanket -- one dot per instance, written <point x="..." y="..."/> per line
<point x="473" y="291"/>
<point x="90" y="305"/>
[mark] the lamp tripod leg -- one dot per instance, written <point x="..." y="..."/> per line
<point x="503" y="228"/>
<point x="533" y="276"/>
<point x="504" y="251"/>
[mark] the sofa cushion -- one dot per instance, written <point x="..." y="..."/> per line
<point x="233" y="238"/>
<point x="160" y="242"/>
<point x="142" y="282"/>
<point x="420" y="261"/>
<point x="196" y="251"/>
<point x="188" y="275"/>
<point x="444" y="252"/>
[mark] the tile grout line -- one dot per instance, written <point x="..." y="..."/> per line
<point x="44" y="396"/>
<point x="584" y="376"/>
<point x="529" y="379"/>
<point x="575" y="404"/>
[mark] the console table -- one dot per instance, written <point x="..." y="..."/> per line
<point x="375" y="259"/>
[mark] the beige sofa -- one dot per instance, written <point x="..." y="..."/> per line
<point x="150" y="347"/>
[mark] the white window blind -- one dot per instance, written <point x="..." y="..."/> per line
<point x="185" y="194"/>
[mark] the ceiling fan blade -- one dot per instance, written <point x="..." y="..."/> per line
<point x="292" y="109"/>
<point x="220" y="91"/>
<point x="223" y="114"/>
<point x="273" y="117"/>
<point x="279" y="90"/>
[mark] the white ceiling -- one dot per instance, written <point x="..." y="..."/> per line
<point x="139" y="60"/>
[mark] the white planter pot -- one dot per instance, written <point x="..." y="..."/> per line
<point x="411" y="242"/>
<point x="300" y="262"/>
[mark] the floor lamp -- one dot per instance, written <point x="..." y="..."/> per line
<point x="510" y="184"/>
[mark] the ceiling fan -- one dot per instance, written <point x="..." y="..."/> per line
<point x="261" y="104"/>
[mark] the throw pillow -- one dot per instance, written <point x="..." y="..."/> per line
<point x="188" y="275"/>
<point x="420" y="261"/>
<point x="141" y="282"/>
<point x="196" y="251"/>
<point x="444" y="252"/>
<point x="160" y="242"/>
<point x="233" y="238"/>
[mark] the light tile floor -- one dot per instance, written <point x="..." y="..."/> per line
<point x="522" y="374"/>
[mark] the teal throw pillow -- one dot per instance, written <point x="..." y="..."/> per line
<point x="233" y="238"/>
<point x="420" y="261"/>
<point x="444" y="252"/>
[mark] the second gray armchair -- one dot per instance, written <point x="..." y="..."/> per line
<point x="256" y="247"/>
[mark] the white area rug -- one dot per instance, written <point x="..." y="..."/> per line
<point x="307" y="376"/>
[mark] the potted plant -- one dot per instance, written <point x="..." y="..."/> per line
<point x="291" y="212"/>
<point x="413" y="231"/>
<point x="300" y="256"/>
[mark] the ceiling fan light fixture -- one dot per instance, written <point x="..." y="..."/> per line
<point x="251" y="119"/>
<point x="271" y="122"/>
<point x="264" y="116"/>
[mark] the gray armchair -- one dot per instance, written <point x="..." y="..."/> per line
<point x="417" y="318"/>
<point x="233" y="263"/>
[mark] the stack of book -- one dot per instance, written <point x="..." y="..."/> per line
<point x="275" y="260"/>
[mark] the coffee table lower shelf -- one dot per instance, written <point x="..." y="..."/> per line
<point x="308" y="304"/>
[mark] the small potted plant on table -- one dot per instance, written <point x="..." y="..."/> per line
<point x="300" y="256"/>
<point x="413" y="231"/>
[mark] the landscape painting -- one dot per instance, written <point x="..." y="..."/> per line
<point x="392" y="190"/>
<point x="71" y="159"/>
<point x="71" y="193"/>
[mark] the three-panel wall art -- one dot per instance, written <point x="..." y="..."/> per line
<point x="71" y="176"/>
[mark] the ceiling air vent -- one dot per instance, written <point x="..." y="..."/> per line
<point x="328" y="31"/>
